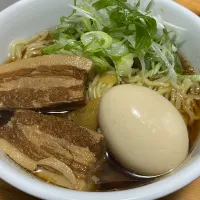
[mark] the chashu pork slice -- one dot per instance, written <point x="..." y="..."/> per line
<point x="54" y="149"/>
<point x="43" y="82"/>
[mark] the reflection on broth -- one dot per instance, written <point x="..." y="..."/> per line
<point x="112" y="178"/>
<point x="193" y="134"/>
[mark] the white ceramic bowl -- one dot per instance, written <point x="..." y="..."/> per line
<point x="27" y="17"/>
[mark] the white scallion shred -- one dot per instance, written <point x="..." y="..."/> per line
<point x="170" y="67"/>
<point x="82" y="12"/>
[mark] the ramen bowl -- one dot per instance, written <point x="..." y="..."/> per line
<point x="27" y="17"/>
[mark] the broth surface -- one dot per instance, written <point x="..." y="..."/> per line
<point x="111" y="177"/>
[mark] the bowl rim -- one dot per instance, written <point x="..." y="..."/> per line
<point x="155" y="190"/>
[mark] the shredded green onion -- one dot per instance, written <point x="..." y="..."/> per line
<point x="115" y="33"/>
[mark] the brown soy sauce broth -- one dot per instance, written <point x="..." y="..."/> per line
<point x="111" y="176"/>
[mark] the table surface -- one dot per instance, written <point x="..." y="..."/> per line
<point x="191" y="192"/>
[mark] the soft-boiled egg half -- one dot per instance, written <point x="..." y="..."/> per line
<point x="144" y="132"/>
